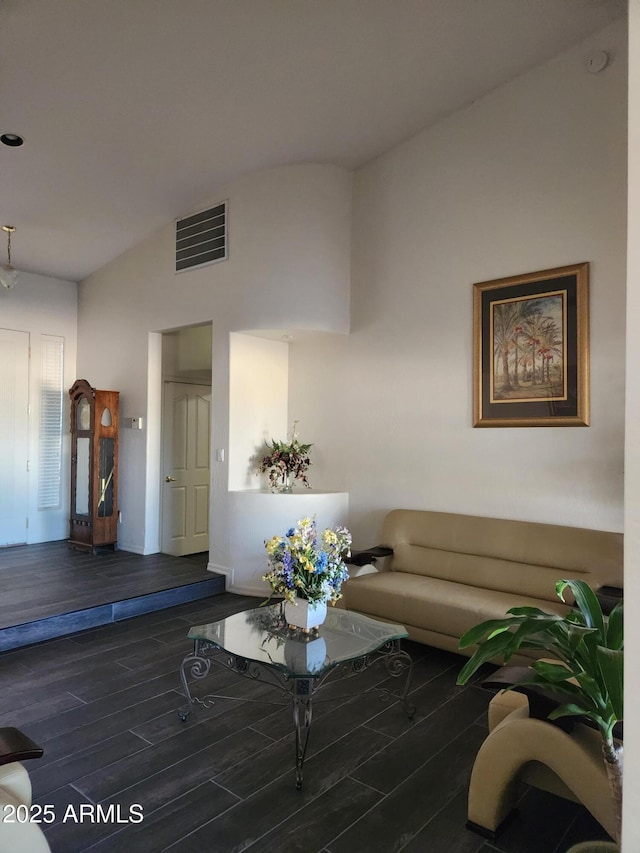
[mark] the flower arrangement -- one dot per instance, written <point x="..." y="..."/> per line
<point x="308" y="565"/>
<point x="286" y="459"/>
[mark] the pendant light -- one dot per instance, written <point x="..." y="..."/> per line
<point x="8" y="274"/>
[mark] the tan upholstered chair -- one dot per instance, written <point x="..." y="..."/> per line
<point x="522" y="748"/>
<point x="17" y="835"/>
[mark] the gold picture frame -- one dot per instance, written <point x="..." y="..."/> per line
<point x="531" y="349"/>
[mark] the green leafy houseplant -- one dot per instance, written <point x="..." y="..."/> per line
<point x="588" y="675"/>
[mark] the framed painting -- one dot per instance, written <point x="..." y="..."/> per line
<point x="531" y="349"/>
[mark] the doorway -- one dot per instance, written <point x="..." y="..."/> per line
<point x="186" y="440"/>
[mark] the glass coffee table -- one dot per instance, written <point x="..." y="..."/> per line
<point x="259" y="645"/>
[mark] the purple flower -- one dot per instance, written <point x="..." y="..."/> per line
<point x="287" y="569"/>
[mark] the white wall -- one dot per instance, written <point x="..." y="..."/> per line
<point x="320" y="399"/>
<point x="44" y="306"/>
<point x="258" y="404"/>
<point x="288" y="267"/>
<point x="631" y="815"/>
<point x="531" y="177"/>
<point x="256" y="516"/>
<point x="186" y="355"/>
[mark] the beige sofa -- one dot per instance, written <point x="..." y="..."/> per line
<point x="449" y="572"/>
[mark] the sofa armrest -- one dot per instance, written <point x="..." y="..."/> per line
<point x="609" y="596"/>
<point x="17" y="746"/>
<point x="370" y="555"/>
<point x="541" y="702"/>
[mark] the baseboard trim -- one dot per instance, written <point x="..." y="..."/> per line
<point x="241" y="588"/>
<point x="135" y="549"/>
<point x="229" y="574"/>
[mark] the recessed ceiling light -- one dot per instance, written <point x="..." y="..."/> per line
<point x="12" y="140"/>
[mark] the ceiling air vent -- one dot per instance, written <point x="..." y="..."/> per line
<point x="202" y="238"/>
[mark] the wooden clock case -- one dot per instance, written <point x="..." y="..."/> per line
<point x="94" y="467"/>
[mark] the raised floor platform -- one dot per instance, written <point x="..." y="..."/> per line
<point x="50" y="590"/>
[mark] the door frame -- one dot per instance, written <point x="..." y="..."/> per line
<point x="154" y="461"/>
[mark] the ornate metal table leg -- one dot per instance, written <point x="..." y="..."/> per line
<point x="302" y="711"/>
<point x="198" y="667"/>
<point x="396" y="661"/>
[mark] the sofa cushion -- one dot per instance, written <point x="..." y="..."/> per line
<point x="444" y="606"/>
<point x="501" y="554"/>
<point x="489" y="573"/>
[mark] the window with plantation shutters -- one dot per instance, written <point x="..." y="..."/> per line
<point x="51" y="405"/>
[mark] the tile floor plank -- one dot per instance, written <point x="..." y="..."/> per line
<point x="323" y="819"/>
<point x="176" y="820"/>
<point x="279" y="801"/>
<point x="416" y="800"/>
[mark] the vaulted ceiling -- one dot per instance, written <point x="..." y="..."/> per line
<point x="133" y="112"/>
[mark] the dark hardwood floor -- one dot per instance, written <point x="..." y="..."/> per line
<point x="103" y="705"/>
<point x="58" y="578"/>
<point x="51" y="590"/>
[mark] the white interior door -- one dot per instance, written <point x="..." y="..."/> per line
<point x="186" y="452"/>
<point x="14" y="423"/>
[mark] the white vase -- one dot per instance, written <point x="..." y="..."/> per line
<point x="309" y="657"/>
<point x="287" y="483"/>
<point x="594" y="847"/>
<point x="305" y="614"/>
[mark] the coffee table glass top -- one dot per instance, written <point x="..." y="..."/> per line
<point x="262" y="635"/>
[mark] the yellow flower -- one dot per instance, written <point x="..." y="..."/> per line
<point x="272" y="544"/>
<point x="329" y="537"/>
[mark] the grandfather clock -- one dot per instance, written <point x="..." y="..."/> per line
<point x="94" y="467"/>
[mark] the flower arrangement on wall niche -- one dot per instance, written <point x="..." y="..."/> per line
<point x="287" y="461"/>
<point x="305" y="564"/>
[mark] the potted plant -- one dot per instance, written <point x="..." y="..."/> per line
<point x="308" y="569"/>
<point x="286" y="461"/>
<point x="588" y="676"/>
